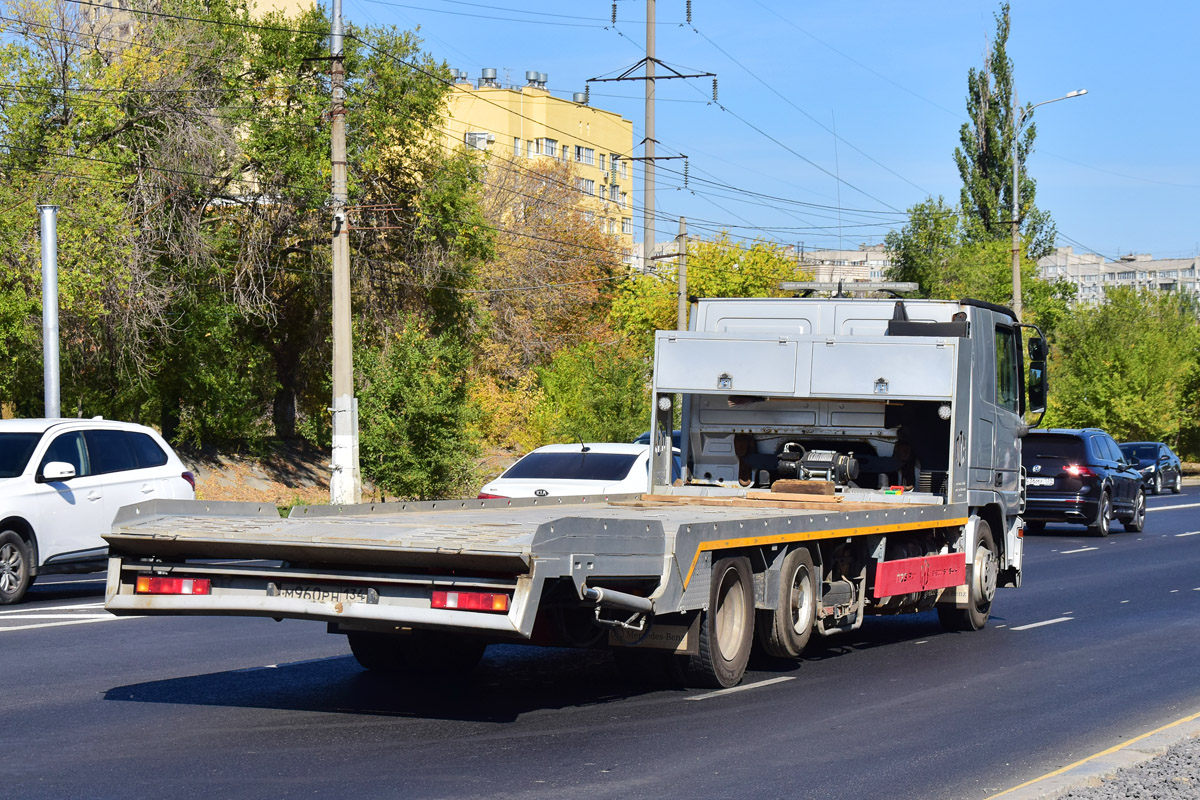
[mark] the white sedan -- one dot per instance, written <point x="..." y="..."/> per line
<point x="577" y="469"/>
<point x="61" y="483"/>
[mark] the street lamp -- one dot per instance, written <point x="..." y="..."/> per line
<point x="1019" y="115"/>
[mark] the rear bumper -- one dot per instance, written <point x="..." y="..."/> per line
<point x="1074" y="508"/>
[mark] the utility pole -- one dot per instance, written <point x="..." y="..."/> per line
<point x="648" y="175"/>
<point x="50" y="365"/>
<point x="651" y="62"/>
<point x="345" y="485"/>
<point x="681" y="243"/>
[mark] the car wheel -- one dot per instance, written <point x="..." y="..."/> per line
<point x="1135" y="523"/>
<point x="1177" y="486"/>
<point x="16" y="570"/>
<point x="981" y="589"/>
<point x="1100" y="524"/>
<point x="784" y="631"/>
<point x="1157" y="486"/>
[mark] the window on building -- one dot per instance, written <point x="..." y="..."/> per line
<point x="624" y="200"/>
<point x="550" y="147"/>
<point x="585" y="155"/>
<point x="516" y="147"/>
<point x="566" y="153"/>
<point x="601" y="164"/>
<point x="586" y="185"/>
<point x="476" y="139"/>
<point x="627" y="226"/>
<point x="600" y="190"/>
<point x="612" y="226"/>
<point x="614" y="192"/>
<point x="624" y="168"/>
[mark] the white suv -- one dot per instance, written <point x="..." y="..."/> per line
<point x="62" y="482"/>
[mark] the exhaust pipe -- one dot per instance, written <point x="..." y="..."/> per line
<point x="611" y="598"/>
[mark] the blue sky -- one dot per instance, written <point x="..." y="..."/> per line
<point x="1118" y="168"/>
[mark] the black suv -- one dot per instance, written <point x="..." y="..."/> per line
<point x="1160" y="467"/>
<point x="1080" y="477"/>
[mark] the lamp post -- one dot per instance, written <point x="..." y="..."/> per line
<point x="1019" y="116"/>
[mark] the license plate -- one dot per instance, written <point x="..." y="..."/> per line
<point x="1039" y="481"/>
<point x="324" y="594"/>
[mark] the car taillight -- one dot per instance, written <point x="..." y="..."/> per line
<point x="150" y="585"/>
<point x="190" y="478"/>
<point x="486" y="496"/>
<point x="471" y="601"/>
<point x="1079" y="472"/>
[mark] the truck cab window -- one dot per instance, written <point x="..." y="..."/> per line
<point x="1008" y="384"/>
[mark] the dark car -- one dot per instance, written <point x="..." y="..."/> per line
<point x="1160" y="467"/>
<point x="1080" y="477"/>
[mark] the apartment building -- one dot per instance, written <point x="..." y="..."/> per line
<point x="528" y="122"/>
<point x="867" y="263"/>
<point x="1091" y="273"/>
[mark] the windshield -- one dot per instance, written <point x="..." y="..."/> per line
<point x="573" y="466"/>
<point x="15" y="449"/>
<point x="1142" y="452"/>
<point x="1040" y="446"/>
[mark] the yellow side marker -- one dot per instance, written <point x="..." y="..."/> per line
<point x="1101" y="754"/>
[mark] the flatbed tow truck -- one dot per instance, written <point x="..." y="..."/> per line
<point x="844" y="457"/>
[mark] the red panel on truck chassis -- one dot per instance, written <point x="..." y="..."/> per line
<point x="919" y="574"/>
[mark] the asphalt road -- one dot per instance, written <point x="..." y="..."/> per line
<point x="1101" y="644"/>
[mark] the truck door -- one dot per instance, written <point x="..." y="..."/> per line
<point x="1006" y="403"/>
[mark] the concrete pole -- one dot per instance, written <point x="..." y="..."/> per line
<point x="1016" y="207"/>
<point x="50" y="358"/>
<point x="345" y="485"/>
<point x="681" y="243"/>
<point x="648" y="175"/>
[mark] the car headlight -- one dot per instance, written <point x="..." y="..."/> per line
<point x="1147" y="470"/>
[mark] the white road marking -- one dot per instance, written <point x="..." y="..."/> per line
<point x="741" y="688"/>
<point x="51" y="608"/>
<point x="1123" y="602"/>
<point x="1170" y="508"/>
<point x="1080" y="550"/>
<point x="1040" y="624"/>
<point x="82" y="621"/>
<point x="1189" y="533"/>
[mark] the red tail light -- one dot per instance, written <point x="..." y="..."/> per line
<point x="1079" y="472"/>
<point x="190" y="478"/>
<point x="471" y="601"/>
<point x="486" y="496"/>
<point x="149" y="585"/>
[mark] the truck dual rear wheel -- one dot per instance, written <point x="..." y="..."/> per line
<point x="784" y="631"/>
<point x="980" y="589"/>
<point x="424" y="653"/>
<point x="726" y="628"/>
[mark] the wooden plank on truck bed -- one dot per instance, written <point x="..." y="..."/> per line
<point x="785" y="497"/>
<point x="792" y="486"/>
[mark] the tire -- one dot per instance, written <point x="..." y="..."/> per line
<point x="1135" y="523"/>
<point x="783" y="632"/>
<point x="981" y="589"/>
<point x="1157" y="487"/>
<point x="1100" y="525"/>
<point x="1034" y="526"/>
<point x="428" y="654"/>
<point x="16" y="568"/>
<point x="726" y="628"/>
<point x="1177" y="486"/>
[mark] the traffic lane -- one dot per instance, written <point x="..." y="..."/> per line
<point x="564" y="723"/>
<point x="526" y="703"/>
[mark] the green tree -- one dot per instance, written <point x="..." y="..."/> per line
<point x="414" y="393"/>
<point x="984" y="156"/>
<point x="922" y="249"/>
<point x="594" y="393"/>
<point x="718" y="267"/>
<point x="1129" y="365"/>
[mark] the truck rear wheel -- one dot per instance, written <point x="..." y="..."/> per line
<point x="784" y="631"/>
<point x="980" y="589"/>
<point x="424" y="653"/>
<point x="726" y="628"/>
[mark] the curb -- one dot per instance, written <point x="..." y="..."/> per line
<point x="1094" y="769"/>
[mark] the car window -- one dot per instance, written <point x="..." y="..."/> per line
<point x="109" y="451"/>
<point x="1061" y="446"/>
<point x="1144" y="452"/>
<point x="1109" y="448"/>
<point x="573" y="466"/>
<point x="68" y="447"/>
<point x="15" y="450"/>
<point x="146" y="451"/>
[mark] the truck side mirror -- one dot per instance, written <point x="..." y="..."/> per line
<point x="1037" y="387"/>
<point x="1037" y="349"/>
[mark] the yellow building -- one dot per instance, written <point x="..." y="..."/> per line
<point x="528" y="122"/>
